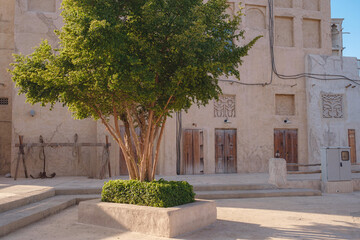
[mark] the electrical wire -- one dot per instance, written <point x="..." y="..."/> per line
<point x="316" y="76"/>
<point x="322" y="77"/>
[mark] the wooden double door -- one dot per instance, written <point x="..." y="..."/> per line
<point x="225" y="151"/>
<point x="286" y="146"/>
<point x="193" y="152"/>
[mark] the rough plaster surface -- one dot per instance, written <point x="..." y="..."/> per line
<point x="284" y="32"/>
<point x="313" y="5"/>
<point x="255" y="16"/>
<point x="7" y="13"/>
<point x="338" y="187"/>
<point x="42" y="5"/>
<point x="324" y="131"/>
<point x="277" y="172"/>
<point x="285" y="104"/>
<point x="163" y="222"/>
<point x="311" y="33"/>
<point x="283" y="3"/>
<point x="22" y="28"/>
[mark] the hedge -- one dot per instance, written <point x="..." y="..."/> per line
<point x="159" y="193"/>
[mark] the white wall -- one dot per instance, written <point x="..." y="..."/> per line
<point x="332" y="132"/>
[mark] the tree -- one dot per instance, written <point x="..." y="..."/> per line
<point x="136" y="62"/>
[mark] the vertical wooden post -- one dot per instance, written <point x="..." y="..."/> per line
<point x="108" y="153"/>
<point x="22" y="155"/>
<point x="17" y="163"/>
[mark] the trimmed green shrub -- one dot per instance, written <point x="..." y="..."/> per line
<point x="159" y="193"/>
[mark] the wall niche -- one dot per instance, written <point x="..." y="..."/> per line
<point x="255" y="17"/>
<point x="42" y="5"/>
<point x="285" y="104"/>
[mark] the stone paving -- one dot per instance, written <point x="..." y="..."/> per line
<point x="332" y="216"/>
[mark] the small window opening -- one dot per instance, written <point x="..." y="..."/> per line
<point x="4" y="101"/>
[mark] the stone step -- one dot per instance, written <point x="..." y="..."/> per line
<point x="257" y="193"/>
<point x="16" y="196"/>
<point x="232" y="187"/>
<point x="78" y="191"/>
<point x="204" y="187"/>
<point x="25" y="215"/>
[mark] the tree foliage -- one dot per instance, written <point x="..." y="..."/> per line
<point x="136" y="62"/>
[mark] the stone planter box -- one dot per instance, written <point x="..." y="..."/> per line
<point x="163" y="222"/>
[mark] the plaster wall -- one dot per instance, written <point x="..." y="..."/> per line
<point x="255" y="118"/>
<point x="325" y="131"/>
<point x="36" y="20"/>
<point x="7" y="11"/>
<point x="255" y="107"/>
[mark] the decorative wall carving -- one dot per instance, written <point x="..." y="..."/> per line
<point x="225" y="106"/>
<point x="332" y="105"/>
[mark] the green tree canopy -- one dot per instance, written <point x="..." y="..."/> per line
<point x="136" y="62"/>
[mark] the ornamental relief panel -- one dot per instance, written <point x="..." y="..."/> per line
<point x="332" y="106"/>
<point x="225" y="106"/>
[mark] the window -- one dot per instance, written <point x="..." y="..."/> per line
<point x="4" y="101"/>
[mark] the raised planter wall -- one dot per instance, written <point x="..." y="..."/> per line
<point x="163" y="222"/>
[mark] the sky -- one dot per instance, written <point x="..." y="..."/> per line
<point x="350" y="10"/>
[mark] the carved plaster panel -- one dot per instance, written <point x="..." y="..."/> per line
<point x="225" y="106"/>
<point x="332" y="106"/>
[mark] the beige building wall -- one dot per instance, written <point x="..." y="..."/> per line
<point x="301" y="28"/>
<point x="333" y="106"/>
<point x="36" y="20"/>
<point x="6" y="49"/>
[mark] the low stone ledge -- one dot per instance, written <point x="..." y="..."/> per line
<point x="278" y="172"/>
<point x="163" y="222"/>
<point x="338" y="187"/>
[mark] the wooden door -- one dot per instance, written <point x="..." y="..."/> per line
<point x="285" y="146"/>
<point x="225" y="151"/>
<point x="122" y="164"/>
<point x="193" y="152"/>
<point x="352" y="145"/>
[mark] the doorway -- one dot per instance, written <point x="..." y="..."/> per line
<point x="286" y="146"/>
<point x="225" y="151"/>
<point x="193" y="152"/>
<point x="352" y="145"/>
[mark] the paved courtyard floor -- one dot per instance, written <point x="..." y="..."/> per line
<point x="331" y="216"/>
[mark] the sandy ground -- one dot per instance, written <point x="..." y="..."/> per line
<point x="335" y="216"/>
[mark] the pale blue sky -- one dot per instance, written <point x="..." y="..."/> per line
<point x="350" y="10"/>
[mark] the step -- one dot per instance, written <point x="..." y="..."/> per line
<point x="12" y="197"/>
<point x="25" y="215"/>
<point x="77" y="191"/>
<point x="257" y="193"/>
<point x="231" y="187"/>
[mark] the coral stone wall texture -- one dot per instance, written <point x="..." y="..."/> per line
<point x="301" y="28"/>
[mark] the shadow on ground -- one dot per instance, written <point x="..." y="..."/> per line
<point x="229" y="230"/>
